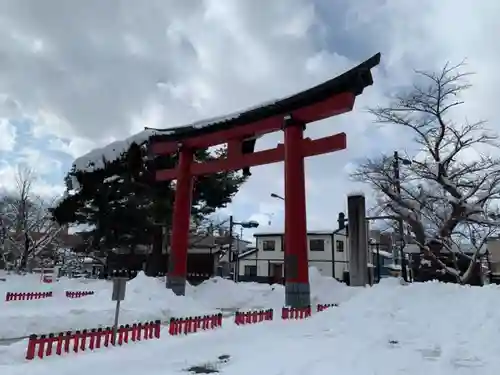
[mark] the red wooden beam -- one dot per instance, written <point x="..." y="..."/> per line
<point x="319" y="146"/>
<point x="332" y="106"/>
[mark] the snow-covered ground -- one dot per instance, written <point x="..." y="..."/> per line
<point x="146" y="299"/>
<point x="389" y="329"/>
<point x="225" y="294"/>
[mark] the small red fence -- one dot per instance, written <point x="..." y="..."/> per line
<point x="47" y="345"/>
<point x="325" y="306"/>
<point x="252" y="317"/>
<point x="26" y="296"/>
<point x="288" y="313"/>
<point x="79" y="293"/>
<point x="194" y="324"/>
<point x="29" y="296"/>
<point x="57" y="344"/>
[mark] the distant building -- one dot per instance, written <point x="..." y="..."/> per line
<point x="327" y="251"/>
<point x="208" y="255"/>
<point x="493" y="259"/>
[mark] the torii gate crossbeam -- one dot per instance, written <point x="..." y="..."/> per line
<point x="239" y="132"/>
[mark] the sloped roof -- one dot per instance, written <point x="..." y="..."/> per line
<point x="354" y="81"/>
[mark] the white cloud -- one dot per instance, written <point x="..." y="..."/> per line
<point x="47" y="190"/>
<point x="75" y="147"/>
<point x="39" y="161"/>
<point x="8" y="174"/>
<point x="89" y="73"/>
<point x="8" y="135"/>
<point x="40" y="187"/>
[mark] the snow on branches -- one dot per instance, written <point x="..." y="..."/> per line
<point x="27" y="229"/>
<point x="449" y="192"/>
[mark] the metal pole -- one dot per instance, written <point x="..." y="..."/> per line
<point x="378" y="261"/>
<point x="232" y="258"/>
<point x="397" y="183"/>
<point x="237" y="258"/>
<point x="333" y="255"/>
<point x="115" y="326"/>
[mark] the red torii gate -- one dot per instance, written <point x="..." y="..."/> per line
<point x="239" y="131"/>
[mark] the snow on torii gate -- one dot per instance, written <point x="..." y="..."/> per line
<point x="239" y="131"/>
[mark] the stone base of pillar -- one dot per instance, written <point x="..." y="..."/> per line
<point x="177" y="284"/>
<point x="297" y="294"/>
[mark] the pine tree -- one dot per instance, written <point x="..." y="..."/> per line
<point x="125" y="207"/>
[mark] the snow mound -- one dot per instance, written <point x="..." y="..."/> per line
<point x="226" y="294"/>
<point x="146" y="299"/>
<point x="427" y="328"/>
<point x="327" y="289"/>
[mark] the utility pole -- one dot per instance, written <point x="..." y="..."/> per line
<point x="378" y="261"/>
<point x="235" y="252"/>
<point x="397" y="185"/>
<point x="232" y="255"/>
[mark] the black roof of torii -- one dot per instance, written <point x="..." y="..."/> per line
<point x="353" y="81"/>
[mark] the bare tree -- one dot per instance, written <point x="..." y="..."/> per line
<point x="28" y="231"/>
<point x="448" y="195"/>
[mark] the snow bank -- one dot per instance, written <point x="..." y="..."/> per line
<point x="146" y="299"/>
<point x="432" y="328"/>
<point x="390" y="329"/>
<point x="226" y="294"/>
<point x="327" y="289"/>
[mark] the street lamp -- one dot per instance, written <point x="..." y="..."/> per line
<point x="274" y="195"/>
<point x="243" y="224"/>
<point x="397" y="185"/>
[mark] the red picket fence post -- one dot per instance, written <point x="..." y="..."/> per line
<point x="324" y="306"/>
<point x="295" y="312"/>
<point x="252" y="317"/>
<point x="79" y="294"/>
<point x="269" y="315"/>
<point x="205" y="322"/>
<point x="238" y="318"/>
<point x="188" y="325"/>
<point x="173" y="327"/>
<point x="43" y="346"/>
<point x="24" y="296"/>
<point x="219" y="320"/>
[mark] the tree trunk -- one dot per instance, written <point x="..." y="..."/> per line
<point x="24" y="258"/>
<point x="153" y="265"/>
<point x="425" y="267"/>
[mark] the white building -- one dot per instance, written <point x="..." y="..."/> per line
<point x="327" y="251"/>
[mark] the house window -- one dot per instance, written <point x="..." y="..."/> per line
<point x="250" y="270"/>
<point x="317" y="245"/>
<point x="340" y="246"/>
<point x="268" y="245"/>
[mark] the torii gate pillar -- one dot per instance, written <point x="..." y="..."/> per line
<point x="297" y="290"/>
<point x="177" y="263"/>
<point x="290" y="114"/>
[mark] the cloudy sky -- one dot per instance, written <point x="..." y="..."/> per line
<point x="78" y="75"/>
